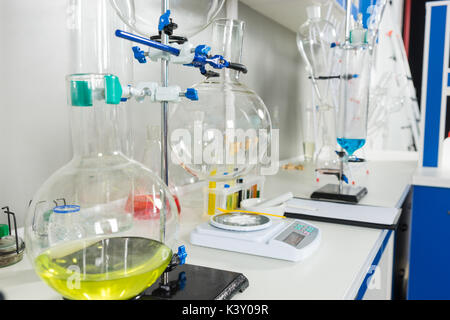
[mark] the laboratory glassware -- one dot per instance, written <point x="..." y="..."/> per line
<point x="309" y="127"/>
<point x="218" y="138"/>
<point x="179" y="178"/>
<point x="353" y="96"/>
<point x="93" y="46"/>
<point x="107" y="239"/>
<point x="326" y="160"/>
<point x="309" y="131"/>
<point x="316" y="40"/>
<point x="95" y="49"/>
<point x="191" y="16"/>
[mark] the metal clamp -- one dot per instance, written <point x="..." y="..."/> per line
<point x="9" y="214"/>
<point x="156" y="93"/>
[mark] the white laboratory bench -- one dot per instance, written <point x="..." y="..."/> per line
<point x="339" y="269"/>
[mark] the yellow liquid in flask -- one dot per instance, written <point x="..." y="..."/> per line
<point x="108" y="269"/>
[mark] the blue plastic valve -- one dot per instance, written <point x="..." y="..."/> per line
<point x="164" y="20"/>
<point x="139" y="54"/>
<point x="182" y="254"/>
<point x="191" y="94"/>
<point x="182" y="280"/>
<point x="202" y="50"/>
<point x="344" y="177"/>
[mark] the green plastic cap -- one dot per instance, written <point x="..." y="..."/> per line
<point x="80" y="94"/>
<point x="4" y="230"/>
<point x="113" y="89"/>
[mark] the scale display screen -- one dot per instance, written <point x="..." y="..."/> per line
<point x="294" y="238"/>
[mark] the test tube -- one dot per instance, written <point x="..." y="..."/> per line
<point x="228" y="197"/>
<point x="212" y="198"/>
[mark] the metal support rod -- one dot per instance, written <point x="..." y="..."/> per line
<point x="164" y="134"/>
<point x="347" y="40"/>
<point x="341" y="171"/>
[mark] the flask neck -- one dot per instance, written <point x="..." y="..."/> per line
<point x="96" y="131"/>
<point x="99" y="122"/>
<point x="228" y="38"/>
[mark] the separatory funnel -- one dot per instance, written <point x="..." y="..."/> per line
<point x="316" y="40"/>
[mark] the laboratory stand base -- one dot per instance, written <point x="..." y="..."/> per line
<point x="189" y="282"/>
<point x="330" y="192"/>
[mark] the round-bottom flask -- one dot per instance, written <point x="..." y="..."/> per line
<point x="85" y="232"/>
<point x="221" y="136"/>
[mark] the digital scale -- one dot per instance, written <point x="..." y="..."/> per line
<point x="285" y="239"/>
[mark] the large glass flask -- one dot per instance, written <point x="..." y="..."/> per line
<point x="220" y="136"/>
<point x="353" y="97"/>
<point x="103" y="226"/>
<point x="191" y="16"/>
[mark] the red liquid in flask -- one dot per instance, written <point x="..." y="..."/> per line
<point x="145" y="207"/>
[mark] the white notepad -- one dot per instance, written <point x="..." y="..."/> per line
<point x="348" y="212"/>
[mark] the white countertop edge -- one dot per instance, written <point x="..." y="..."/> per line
<point x="403" y="198"/>
<point x="431" y="177"/>
<point x="353" y="290"/>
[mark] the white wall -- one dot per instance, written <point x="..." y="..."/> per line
<point x="34" y="59"/>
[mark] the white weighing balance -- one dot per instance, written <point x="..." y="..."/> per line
<point x="285" y="239"/>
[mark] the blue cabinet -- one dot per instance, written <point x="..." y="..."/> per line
<point x="429" y="267"/>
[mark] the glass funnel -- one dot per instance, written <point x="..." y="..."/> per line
<point x="315" y="41"/>
<point x="353" y="97"/>
<point x="191" y="16"/>
<point x="103" y="226"/>
<point x="220" y="136"/>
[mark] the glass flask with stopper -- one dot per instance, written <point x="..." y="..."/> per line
<point x="103" y="226"/>
<point x="316" y="40"/>
<point x="220" y="136"/>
